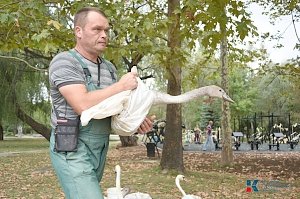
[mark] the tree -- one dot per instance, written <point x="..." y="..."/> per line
<point x="226" y="154"/>
<point x="226" y="31"/>
<point x="23" y="87"/>
<point x="173" y="138"/>
<point x="210" y="111"/>
<point x="1" y="131"/>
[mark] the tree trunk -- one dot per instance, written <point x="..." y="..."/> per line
<point x="172" y="155"/>
<point x="128" y="140"/>
<point x="226" y="154"/>
<point x="38" y="127"/>
<point x="1" y="132"/>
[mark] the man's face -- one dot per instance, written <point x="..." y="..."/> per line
<point x="94" y="35"/>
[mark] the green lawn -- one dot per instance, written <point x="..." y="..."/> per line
<point x="12" y="144"/>
<point x="27" y="173"/>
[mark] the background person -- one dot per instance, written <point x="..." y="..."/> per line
<point x="197" y="135"/>
<point x="209" y="144"/>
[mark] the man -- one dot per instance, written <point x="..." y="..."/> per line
<point x="74" y="89"/>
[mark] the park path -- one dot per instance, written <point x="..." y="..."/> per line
<point x="14" y="153"/>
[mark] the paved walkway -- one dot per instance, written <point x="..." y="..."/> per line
<point x="14" y="153"/>
<point x="245" y="147"/>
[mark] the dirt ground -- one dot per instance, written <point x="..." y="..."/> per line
<point x="275" y="165"/>
<point x="282" y="165"/>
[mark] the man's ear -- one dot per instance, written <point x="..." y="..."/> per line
<point x="78" y="32"/>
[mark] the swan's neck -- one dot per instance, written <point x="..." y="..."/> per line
<point x="179" y="187"/>
<point x="163" y="98"/>
<point x="118" y="181"/>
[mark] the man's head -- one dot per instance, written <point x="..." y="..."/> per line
<point x="91" y="28"/>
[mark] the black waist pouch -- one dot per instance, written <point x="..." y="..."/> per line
<point x="66" y="135"/>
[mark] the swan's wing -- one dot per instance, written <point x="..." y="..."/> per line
<point x="108" y="107"/>
<point x="128" y="109"/>
<point x="138" y="195"/>
<point x="134" y="112"/>
<point x="125" y="191"/>
<point x="114" y="192"/>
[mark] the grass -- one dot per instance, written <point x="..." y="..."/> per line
<point x="23" y="144"/>
<point x="27" y="173"/>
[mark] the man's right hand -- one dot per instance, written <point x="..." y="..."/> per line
<point x="129" y="81"/>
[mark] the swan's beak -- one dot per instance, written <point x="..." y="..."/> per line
<point x="227" y="98"/>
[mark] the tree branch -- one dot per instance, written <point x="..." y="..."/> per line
<point x="27" y="50"/>
<point x="22" y="60"/>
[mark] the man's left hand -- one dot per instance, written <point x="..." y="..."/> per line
<point x="146" y="126"/>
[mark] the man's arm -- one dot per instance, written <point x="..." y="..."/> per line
<point x="81" y="99"/>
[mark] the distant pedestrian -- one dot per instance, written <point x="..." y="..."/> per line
<point x="197" y="135"/>
<point x="209" y="144"/>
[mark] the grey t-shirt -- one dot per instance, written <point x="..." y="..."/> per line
<point x="65" y="70"/>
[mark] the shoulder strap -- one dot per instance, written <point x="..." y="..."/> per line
<point x="110" y="69"/>
<point x="86" y="70"/>
<point x="82" y="63"/>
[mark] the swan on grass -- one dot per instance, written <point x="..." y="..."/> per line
<point x="129" y="108"/>
<point x="184" y="195"/>
<point x="119" y="193"/>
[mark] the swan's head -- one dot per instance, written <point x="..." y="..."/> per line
<point x="216" y="91"/>
<point x="117" y="169"/>
<point x="179" y="178"/>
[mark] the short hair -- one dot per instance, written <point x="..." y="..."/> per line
<point x="80" y="16"/>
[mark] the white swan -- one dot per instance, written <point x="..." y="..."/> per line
<point x="118" y="193"/>
<point x="184" y="195"/>
<point x="129" y="108"/>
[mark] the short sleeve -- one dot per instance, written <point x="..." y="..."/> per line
<point x="65" y="70"/>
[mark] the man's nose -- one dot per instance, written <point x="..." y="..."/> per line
<point x="103" y="34"/>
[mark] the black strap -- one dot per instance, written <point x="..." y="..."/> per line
<point x="110" y="69"/>
<point x="99" y="65"/>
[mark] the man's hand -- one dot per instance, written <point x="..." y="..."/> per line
<point x="128" y="81"/>
<point x="146" y="126"/>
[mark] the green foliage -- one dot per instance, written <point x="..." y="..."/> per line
<point x="210" y="111"/>
<point x="242" y="92"/>
<point x="45" y="28"/>
<point x="275" y="94"/>
<point x="24" y="86"/>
